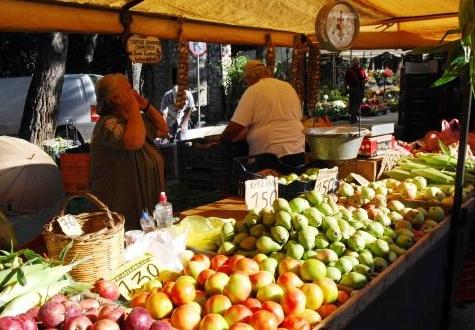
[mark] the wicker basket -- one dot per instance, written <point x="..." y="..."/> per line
<point x="102" y="241"/>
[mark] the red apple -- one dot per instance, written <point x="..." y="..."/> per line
<point x="217" y="261"/>
<point x="253" y="304"/>
<point x="261" y="279"/>
<point x="11" y="323"/>
<point x="161" y="325"/>
<point x="138" y="319"/>
<point x="274" y="308"/>
<point x="289" y="280"/>
<point x="202" y="258"/>
<point x="111" y="312"/>
<point x="51" y="314"/>
<point x="182" y="292"/>
<point x="215" y="283"/>
<point x="239" y="287"/>
<point x="263" y="320"/>
<point x="247" y="265"/>
<point x="28" y="322"/>
<point x="186" y="317"/>
<point x="105" y="324"/>
<point x="296" y="322"/>
<point x="89" y="303"/>
<point x="203" y="276"/>
<point x="107" y="289"/>
<point x="80" y="322"/>
<point x="237" y="313"/>
<point x="293" y="302"/>
<point x="217" y="304"/>
<point x="213" y="322"/>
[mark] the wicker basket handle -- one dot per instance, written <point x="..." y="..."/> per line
<point x="93" y="199"/>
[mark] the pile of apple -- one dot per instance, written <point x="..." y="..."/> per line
<point x="240" y="293"/>
<point x="309" y="175"/>
<point x="60" y="312"/>
<point x="356" y="234"/>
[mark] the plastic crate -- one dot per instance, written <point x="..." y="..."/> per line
<point x="246" y="168"/>
<point x="201" y="178"/>
<point x="75" y="172"/>
<point x="195" y="154"/>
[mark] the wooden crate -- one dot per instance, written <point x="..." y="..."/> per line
<point x="368" y="168"/>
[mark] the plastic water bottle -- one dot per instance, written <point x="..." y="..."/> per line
<point x="146" y="222"/>
<point x="164" y="212"/>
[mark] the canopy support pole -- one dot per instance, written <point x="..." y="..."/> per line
<point x="459" y="219"/>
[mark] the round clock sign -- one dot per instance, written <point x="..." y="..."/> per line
<point x="337" y="26"/>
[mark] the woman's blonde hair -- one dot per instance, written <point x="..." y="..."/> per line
<point x="106" y="88"/>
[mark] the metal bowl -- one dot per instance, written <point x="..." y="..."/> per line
<point x="334" y="143"/>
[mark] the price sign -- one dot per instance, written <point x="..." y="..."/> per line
<point x="143" y="49"/>
<point x="361" y="180"/>
<point x="261" y="193"/>
<point x="327" y="180"/>
<point x="69" y="225"/>
<point x="390" y="159"/>
<point x="134" y="274"/>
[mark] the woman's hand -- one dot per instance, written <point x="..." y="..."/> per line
<point x="142" y="101"/>
<point x="127" y="104"/>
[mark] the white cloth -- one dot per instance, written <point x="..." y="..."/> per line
<point x="271" y="110"/>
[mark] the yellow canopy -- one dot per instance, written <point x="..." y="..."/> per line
<point x="385" y="23"/>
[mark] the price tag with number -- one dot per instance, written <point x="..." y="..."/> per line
<point x="390" y="159"/>
<point x="261" y="193"/>
<point x="135" y="274"/>
<point x="327" y="180"/>
<point x="69" y="225"/>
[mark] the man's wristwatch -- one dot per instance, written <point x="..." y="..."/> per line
<point x="144" y="110"/>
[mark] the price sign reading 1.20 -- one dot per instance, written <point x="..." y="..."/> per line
<point x="261" y="193"/>
<point x="327" y="180"/>
<point x="134" y="274"/>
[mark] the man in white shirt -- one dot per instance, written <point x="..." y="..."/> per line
<point x="268" y="116"/>
<point x="177" y="119"/>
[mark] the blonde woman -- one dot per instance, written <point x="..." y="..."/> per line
<point x="127" y="170"/>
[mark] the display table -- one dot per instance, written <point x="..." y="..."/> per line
<point x="232" y="207"/>
<point x="408" y="294"/>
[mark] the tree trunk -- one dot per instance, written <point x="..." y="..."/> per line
<point x="216" y="107"/>
<point x="81" y="53"/>
<point x="42" y="101"/>
<point x="157" y="78"/>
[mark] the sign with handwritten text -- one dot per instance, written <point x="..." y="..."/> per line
<point x="134" y="274"/>
<point x="261" y="193"/>
<point x="143" y="49"/>
<point x="327" y="180"/>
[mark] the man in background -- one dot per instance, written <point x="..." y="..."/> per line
<point x="355" y="79"/>
<point x="177" y="119"/>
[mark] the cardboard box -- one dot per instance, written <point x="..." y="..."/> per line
<point x="377" y="145"/>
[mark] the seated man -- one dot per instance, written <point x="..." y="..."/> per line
<point x="269" y="116"/>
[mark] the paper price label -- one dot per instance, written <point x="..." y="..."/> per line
<point x="327" y="180"/>
<point x="69" y="225"/>
<point x="261" y="193"/>
<point x="390" y="160"/>
<point x="134" y="274"/>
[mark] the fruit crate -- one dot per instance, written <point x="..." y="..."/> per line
<point x="75" y="172"/>
<point x="205" y="179"/>
<point x="200" y="154"/>
<point x="246" y="168"/>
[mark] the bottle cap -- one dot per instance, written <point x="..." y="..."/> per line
<point x="163" y="197"/>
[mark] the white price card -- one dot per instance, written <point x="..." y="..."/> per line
<point x="134" y="274"/>
<point x="390" y="160"/>
<point x="69" y="225"/>
<point x="327" y="180"/>
<point x="261" y="193"/>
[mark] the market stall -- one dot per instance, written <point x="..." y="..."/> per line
<point x="336" y="243"/>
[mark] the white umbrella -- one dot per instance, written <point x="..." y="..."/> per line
<point x="29" y="178"/>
